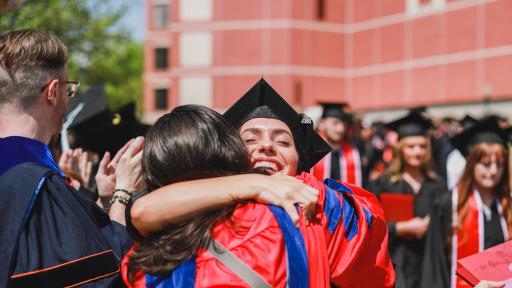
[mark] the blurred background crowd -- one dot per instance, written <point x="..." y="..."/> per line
<point x="446" y="61"/>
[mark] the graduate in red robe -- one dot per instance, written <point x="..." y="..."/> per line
<point x="344" y="162"/>
<point x="477" y="215"/>
<point x="345" y="240"/>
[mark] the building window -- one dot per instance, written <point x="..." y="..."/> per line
<point x="161" y="58"/>
<point x="320" y="9"/>
<point x="195" y="49"/>
<point x="415" y="7"/>
<point x="161" y="99"/>
<point x="160" y="15"/>
<point x="196" y="10"/>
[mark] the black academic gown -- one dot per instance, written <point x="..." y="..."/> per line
<point x="407" y="255"/>
<point x="437" y="260"/>
<point x="62" y="226"/>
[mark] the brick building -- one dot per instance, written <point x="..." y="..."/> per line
<point x="454" y="56"/>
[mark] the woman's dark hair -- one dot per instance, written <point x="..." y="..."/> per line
<point x="191" y="142"/>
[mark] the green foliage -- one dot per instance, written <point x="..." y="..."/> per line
<point x="100" y="51"/>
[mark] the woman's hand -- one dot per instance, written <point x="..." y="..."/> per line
<point x="128" y="167"/>
<point x="416" y="227"/>
<point x="281" y="190"/>
<point x="106" y="177"/>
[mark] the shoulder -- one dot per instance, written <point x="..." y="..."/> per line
<point x="379" y="184"/>
<point x="384" y="179"/>
<point x="438" y="185"/>
<point x="310" y="180"/>
<point x="249" y="221"/>
<point x="443" y="203"/>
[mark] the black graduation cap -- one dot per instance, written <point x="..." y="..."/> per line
<point x="508" y="132"/>
<point x="418" y="109"/>
<point x="336" y="110"/>
<point x="262" y="101"/>
<point x="467" y="121"/>
<point x="89" y="108"/>
<point x="96" y="128"/>
<point x="127" y="113"/>
<point x="486" y="130"/>
<point x="413" y="124"/>
<point x="113" y="138"/>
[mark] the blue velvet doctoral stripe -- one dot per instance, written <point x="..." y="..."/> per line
<point x="337" y="186"/>
<point x="369" y="217"/>
<point x="297" y="261"/>
<point x="183" y="276"/>
<point x="350" y="221"/>
<point x="33" y="201"/>
<point x="344" y="189"/>
<point x="15" y="150"/>
<point x="26" y="215"/>
<point x="332" y="209"/>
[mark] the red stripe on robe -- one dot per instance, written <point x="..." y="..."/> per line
<point x="350" y="165"/>
<point x="468" y="240"/>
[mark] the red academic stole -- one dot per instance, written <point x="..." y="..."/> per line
<point x="350" y="165"/>
<point x="468" y="240"/>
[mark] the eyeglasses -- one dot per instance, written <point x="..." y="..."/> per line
<point x="71" y="87"/>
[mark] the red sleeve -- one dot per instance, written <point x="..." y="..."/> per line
<point x="356" y="235"/>
<point x="139" y="277"/>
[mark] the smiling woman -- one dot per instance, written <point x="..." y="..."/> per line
<point x="270" y="144"/>
<point x="477" y="215"/>
<point x="410" y="174"/>
<point x="341" y="238"/>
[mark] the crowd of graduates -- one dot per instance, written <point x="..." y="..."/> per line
<point x="414" y="155"/>
<point x="456" y="172"/>
<point x="261" y="196"/>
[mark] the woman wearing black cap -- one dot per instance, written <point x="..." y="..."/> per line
<point x="409" y="174"/>
<point x="478" y="213"/>
<point x="280" y="140"/>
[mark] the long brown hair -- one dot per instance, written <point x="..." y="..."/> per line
<point x="190" y="142"/>
<point x="467" y="181"/>
<point x="396" y="168"/>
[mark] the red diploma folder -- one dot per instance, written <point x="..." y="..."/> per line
<point x="397" y="207"/>
<point x="493" y="264"/>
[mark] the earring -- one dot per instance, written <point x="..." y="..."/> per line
<point x="52" y="96"/>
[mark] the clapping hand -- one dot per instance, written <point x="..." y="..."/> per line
<point x="76" y="165"/>
<point x="128" y="168"/>
<point x="106" y="176"/>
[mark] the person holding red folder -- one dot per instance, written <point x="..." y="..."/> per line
<point x="477" y="215"/>
<point x="409" y="181"/>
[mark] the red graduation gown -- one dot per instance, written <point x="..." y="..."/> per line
<point x="349" y="162"/>
<point x="346" y="244"/>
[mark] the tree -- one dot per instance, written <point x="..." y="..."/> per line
<point x="99" y="50"/>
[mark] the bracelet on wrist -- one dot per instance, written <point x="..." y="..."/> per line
<point x="121" y="190"/>
<point x="123" y="199"/>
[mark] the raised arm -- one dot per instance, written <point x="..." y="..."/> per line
<point x="180" y="201"/>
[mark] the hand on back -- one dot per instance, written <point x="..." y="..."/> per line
<point x="283" y="191"/>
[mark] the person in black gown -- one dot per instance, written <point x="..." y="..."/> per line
<point x="409" y="173"/>
<point x="482" y="196"/>
<point x="51" y="235"/>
